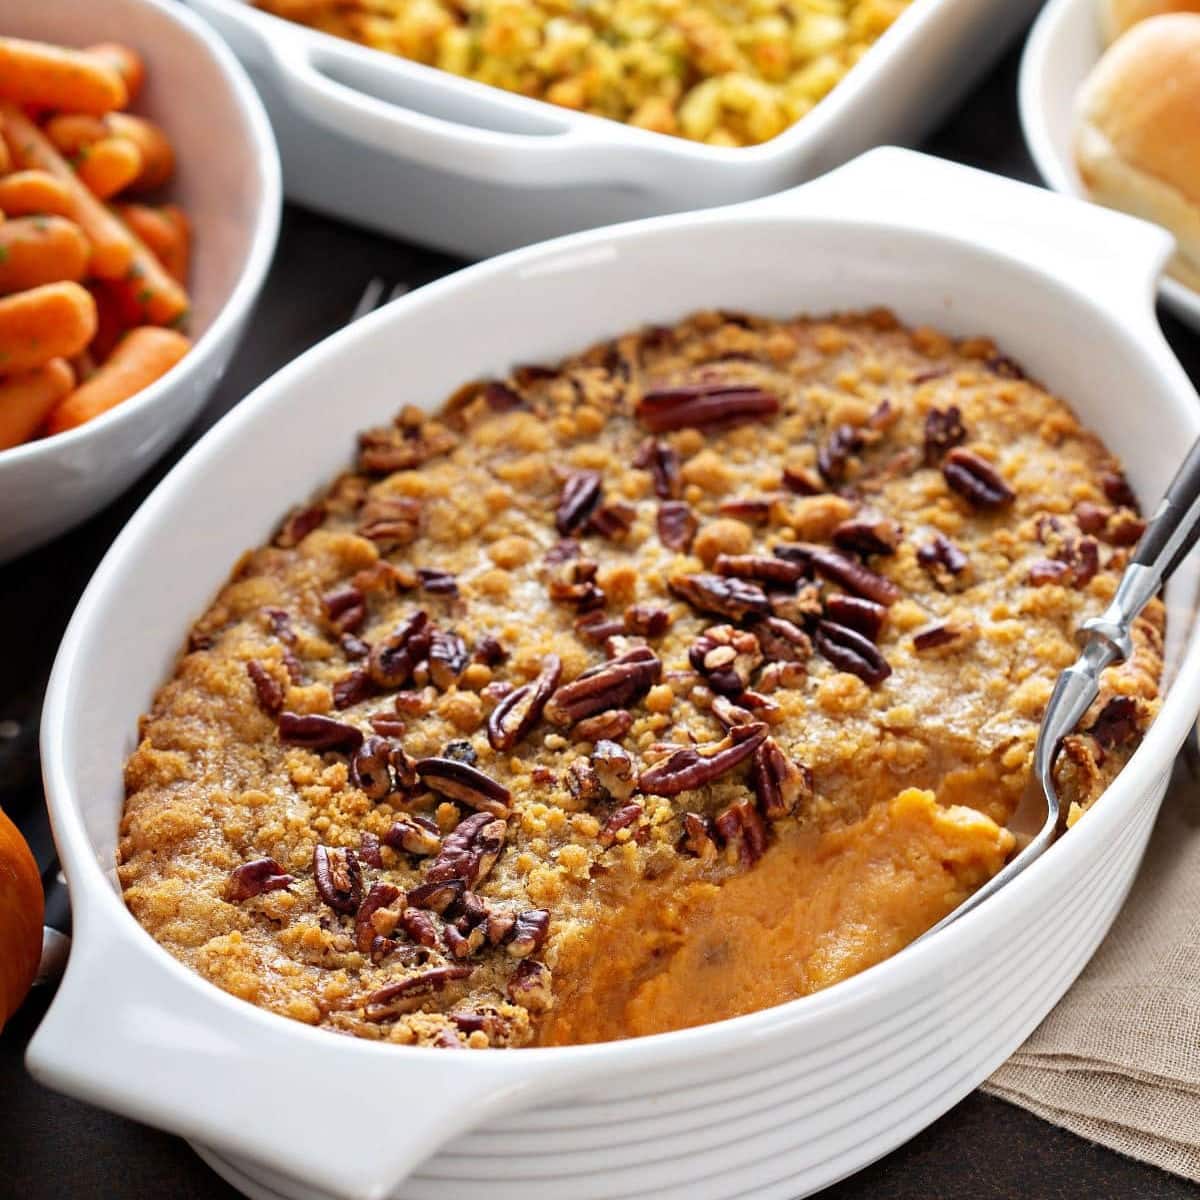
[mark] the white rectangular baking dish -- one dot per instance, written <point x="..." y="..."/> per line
<point x="417" y="152"/>
<point x="774" y="1104"/>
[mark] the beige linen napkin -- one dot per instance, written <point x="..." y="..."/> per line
<point x="1118" y="1060"/>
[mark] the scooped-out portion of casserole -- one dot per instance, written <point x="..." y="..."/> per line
<point x="679" y="679"/>
<point x="729" y="73"/>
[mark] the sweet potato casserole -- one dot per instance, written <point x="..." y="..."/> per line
<point x="685" y="677"/>
<point x="730" y="74"/>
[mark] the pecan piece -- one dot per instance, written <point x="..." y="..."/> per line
<point x="388" y="725"/>
<point x="489" y="651"/>
<point x="574" y="584"/>
<point x="741" y="826"/>
<point x="623" y="818"/>
<point x="699" y="836"/>
<point x="849" y="651"/>
<point x="318" y="733"/>
<point x="834" y="455"/>
<point x="662" y="461"/>
<point x="381" y="895"/>
<point x="530" y="985"/>
<point x="726" y="657"/>
<point x="730" y="714"/>
<point x="606" y="726"/>
<point x="780" y="783"/>
<point x="802" y="481"/>
<point x="392" y="660"/>
<point x="754" y="510"/>
<point x="942" y="637"/>
<point x="465" y="784"/>
<point x="598" y="627"/>
<point x="414" y="835"/>
<point x="390" y="521"/>
<point x="694" y="766"/>
<point x="345" y="608"/>
<point x="614" y="684"/>
<point x="613" y="520"/>
<point x="798" y="606"/>
<point x="1116" y="487"/>
<point x="448" y="658"/>
<point x="695" y="406"/>
<point x="419" y="926"/>
<point x="338" y="877"/>
<point x="397" y="999"/>
<point x="520" y="711"/>
<point x="580" y="495"/>
<point x="439" y="897"/>
<point x="863" y="616"/>
<point x="436" y="582"/>
<point x="371" y="768"/>
<point x="944" y="430"/>
<point x="254" y="878"/>
<point x="368" y="849"/>
<point x="782" y="640"/>
<point x="677" y="524"/>
<point x="390" y="448"/>
<point x="845" y="572"/>
<point x="1116" y="723"/>
<point x="353" y="688"/>
<point x="298" y="524"/>
<point x="268" y="690"/>
<point x="942" y="559"/>
<point x="470" y="851"/>
<point x="777" y="572"/>
<point x="353" y="647"/>
<point x="614" y="769"/>
<point x="975" y="479"/>
<point x="868" y="533"/>
<point x="725" y="595"/>
<point x="528" y="933"/>
<point x="646" y="620"/>
<point x="584" y="784"/>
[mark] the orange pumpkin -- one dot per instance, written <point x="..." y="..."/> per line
<point x="21" y="914"/>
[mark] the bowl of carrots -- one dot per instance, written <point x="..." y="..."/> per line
<point x="139" y="209"/>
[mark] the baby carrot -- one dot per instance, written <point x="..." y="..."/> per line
<point x="72" y="132"/>
<point x="126" y="61"/>
<point x="112" y="244"/>
<point x="33" y="193"/>
<point x="158" y="156"/>
<point x="165" y="232"/>
<point x="37" y="250"/>
<point x="142" y="356"/>
<point x="26" y="400"/>
<point x="55" y="320"/>
<point x="109" y="166"/>
<point x="147" y="290"/>
<point x="5" y="158"/>
<point x="54" y="77"/>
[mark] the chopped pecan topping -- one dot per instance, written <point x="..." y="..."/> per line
<point x="393" y="658"/>
<point x="413" y="440"/>
<point x="868" y="533"/>
<point x="755" y="510"/>
<point x="528" y="933"/>
<point x="388" y="725"/>
<point x="849" y="651"/>
<point x="845" y="572"/>
<point x="662" y="461"/>
<point x="1125" y="528"/>
<point x="483" y="1020"/>
<point x="802" y="481"/>
<point x="741" y="826"/>
<point x="440" y="897"/>
<point x="1005" y="367"/>
<point x="942" y="559"/>
<point x="268" y="690"/>
<point x="596" y="626"/>
<point x="1116" y="723"/>
<point x="647" y="620"/>
<point x="489" y="651"/>
<point x="470" y="851"/>
<point x="353" y="688"/>
<point x="368" y="849"/>
<point x="530" y="985"/>
<point x="448" y="658"/>
<point x="500" y="398"/>
<point x="353" y="647"/>
<point x="254" y="878"/>
<point x="371" y="769"/>
<point x="863" y="616"/>
<point x="614" y="684"/>
<point x="580" y="494"/>
<point x="584" y="784"/>
<point x="414" y="835"/>
<point x="413" y="704"/>
<point x="694" y="766"/>
<point x="613" y="520"/>
<point x="345" y="608"/>
<point x="699" y="836"/>
<point x="623" y="818"/>
<point x="695" y="406"/>
<point x="1116" y="487"/>
<point x="574" y="584"/>
<point x="834" y="454"/>
<point x="606" y="726"/>
<point x="318" y="733"/>
<point x="390" y="521"/>
<point x="366" y="930"/>
<point x="726" y="657"/>
<point x="975" y="479"/>
<point x="404" y="770"/>
<point x="465" y="784"/>
<point x="1075" y="564"/>
<point x="525" y="374"/>
<point x="614" y="769"/>
<point x="437" y="583"/>
<point x="280" y="622"/>
<point x="780" y="783"/>
<point x="730" y="714"/>
<point x="420" y="926"/>
<point x="774" y="572"/>
<point x="397" y="999"/>
<point x="798" y="606"/>
<point x="782" y="640"/>
<point x="677" y="524"/>
<point x="776" y="675"/>
<point x="725" y="595"/>
<point x="521" y="710"/>
<point x="1092" y="518"/>
<point x="941" y="636"/>
<point x="944" y="430"/>
<point x="338" y="877"/>
<point x="298" y="524"/>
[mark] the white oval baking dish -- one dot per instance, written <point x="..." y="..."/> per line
<point x="1065" y="44"/>
<point x="773" y="1104"/>
<point x="228" y="180"/>
<point x="417" y="152"/>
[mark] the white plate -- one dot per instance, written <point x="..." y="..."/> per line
<point x="1064" y="45"/>
<point x="774" y="1104"/>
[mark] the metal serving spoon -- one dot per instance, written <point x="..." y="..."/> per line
<point x="1169" y="537"/>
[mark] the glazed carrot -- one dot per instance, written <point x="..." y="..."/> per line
<point x="37" y="250"/>
<point x="5" y="158"/>
<point x="54" y="77"/>
<point x="26" y="400"/>
<point x="113" y="245"/>
<point x="158" y="156"/>
<point x="72" y="132"/>
<point x="149" y="291"/>
<point x="109" y="166"/>
<point x="127" y="63"/>
<point x="165" y="231"/>
<point x="143" y="355"/>
<point x="55" y="320"/>
<point x="33" y="193"/>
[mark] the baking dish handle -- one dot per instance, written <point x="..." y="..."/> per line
<point x="265" y="1091"/>
<point x="552" y="152"/>
<point x="1114" y="258"/>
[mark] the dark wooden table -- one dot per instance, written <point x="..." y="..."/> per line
<point x="52" y="1147"/>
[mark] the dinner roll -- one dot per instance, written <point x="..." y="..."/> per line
<point x="1116" y="16"/>
<point x="1137" y="141"/>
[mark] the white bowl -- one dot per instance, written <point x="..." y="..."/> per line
<point x="1065" y="44"/>
<point x="228" y="180"/>
<point x="421" y="153"/>
<point x="777" y="1103"/>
